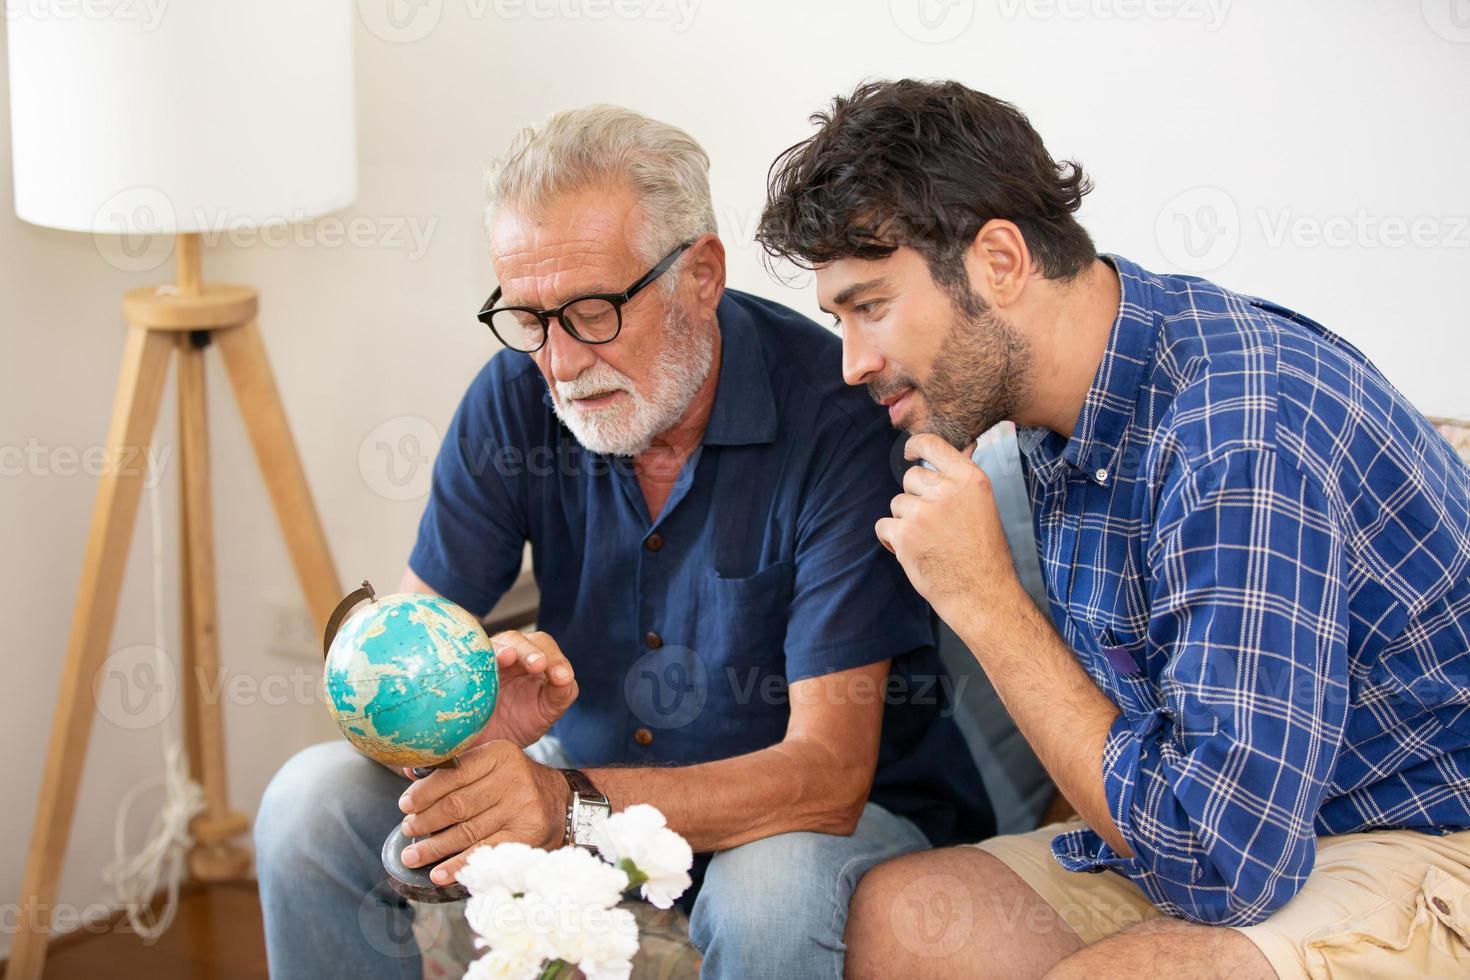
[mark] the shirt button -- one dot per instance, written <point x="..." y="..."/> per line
<point x="653" y="641"/>
<point x="1102" y="476"/>
<point x="654" y="543"/>
<point x="643" y="736"/>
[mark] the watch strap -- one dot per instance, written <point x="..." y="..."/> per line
<point x="582" y="791"/>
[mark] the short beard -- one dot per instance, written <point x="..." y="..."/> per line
<point x="679" y="370"/>
<point x="980" y="373"/>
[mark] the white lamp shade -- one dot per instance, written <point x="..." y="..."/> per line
<point x="184" y="116"/>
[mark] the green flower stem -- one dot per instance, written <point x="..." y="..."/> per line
<point x="635" y="877"/>
<point x="557" y="969"/>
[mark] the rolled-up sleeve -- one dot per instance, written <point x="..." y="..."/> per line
<point x="1217" y="788"/>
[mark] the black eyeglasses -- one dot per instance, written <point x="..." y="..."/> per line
<point x="594" y="319"/>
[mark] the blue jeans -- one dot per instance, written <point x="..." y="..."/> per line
<point x="775" y="907"/>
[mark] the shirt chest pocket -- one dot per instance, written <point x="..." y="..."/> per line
<point x="741" y="635"/>
<point x="1120" y="667"/>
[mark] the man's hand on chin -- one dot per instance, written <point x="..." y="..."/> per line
<point x="947" y="534"/>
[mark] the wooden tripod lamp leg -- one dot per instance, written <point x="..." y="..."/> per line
<point x="134" y="412"/>
<point x="215" y="857"/>
<point x="189" y="691"/>
<point x="285" y="479"/>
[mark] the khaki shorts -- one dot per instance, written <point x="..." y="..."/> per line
<point x="1387" y="903"/>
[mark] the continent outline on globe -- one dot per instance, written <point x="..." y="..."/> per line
<point x="410" y="679"/>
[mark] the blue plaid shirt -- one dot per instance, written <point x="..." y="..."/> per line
<point x="1261" y="552"/>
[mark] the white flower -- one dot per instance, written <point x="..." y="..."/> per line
<point x="529" y="907"/>
<point x="497" y="965"/>
<point x="508" y="925"/>
<point x="604" y="946"/>
<point x="493" y="866"/>
<point x="493" y="912"/>
<point x="641" y="836"/>
<point x="572" y="878"/>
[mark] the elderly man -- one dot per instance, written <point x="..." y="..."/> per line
<point x="699" y="492"/>
<point x="1253" y="684"/>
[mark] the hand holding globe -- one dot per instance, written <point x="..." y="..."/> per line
<point x="537" y="686"/>
<point x="412" y="681"/>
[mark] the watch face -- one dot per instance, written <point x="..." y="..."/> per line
<point x="589" y="815"/>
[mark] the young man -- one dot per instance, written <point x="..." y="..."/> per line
<point x="698" y="491"/>
<point x="1253" y="687"/>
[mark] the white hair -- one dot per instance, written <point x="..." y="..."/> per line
<point x="606" y="145"/>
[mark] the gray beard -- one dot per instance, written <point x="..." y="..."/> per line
<point x="680" y="369"/>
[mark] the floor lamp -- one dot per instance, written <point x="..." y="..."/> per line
<point x="221" y="115"/>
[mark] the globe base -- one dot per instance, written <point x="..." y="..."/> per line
<point x="414" y="883"/>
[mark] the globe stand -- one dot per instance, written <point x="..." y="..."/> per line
<point x="412" y="883"/>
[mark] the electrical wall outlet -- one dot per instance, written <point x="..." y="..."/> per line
<point x="293" y="634"/>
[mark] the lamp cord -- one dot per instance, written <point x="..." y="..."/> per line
<point x="163" y="858"/>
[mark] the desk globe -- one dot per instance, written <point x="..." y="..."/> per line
<point x="410" y="680"/>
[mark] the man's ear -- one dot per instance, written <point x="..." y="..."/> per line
<point x="706" y="260"/>
<point x="999" y="263"/>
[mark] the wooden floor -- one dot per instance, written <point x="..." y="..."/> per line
<point x="216" y="936"/>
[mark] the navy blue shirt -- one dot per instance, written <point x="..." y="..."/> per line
<point x="761" y="569"/>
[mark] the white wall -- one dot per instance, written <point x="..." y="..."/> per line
<point x="1303" y="112"/>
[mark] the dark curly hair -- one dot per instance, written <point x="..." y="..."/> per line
<point x="923" y="164"/>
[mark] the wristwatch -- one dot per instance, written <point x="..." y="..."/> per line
<point x="586" y="810"/>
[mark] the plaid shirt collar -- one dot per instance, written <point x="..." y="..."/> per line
<point x="1108" y="409"/>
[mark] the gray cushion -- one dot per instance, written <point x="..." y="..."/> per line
<point x="1019" y="787"/>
